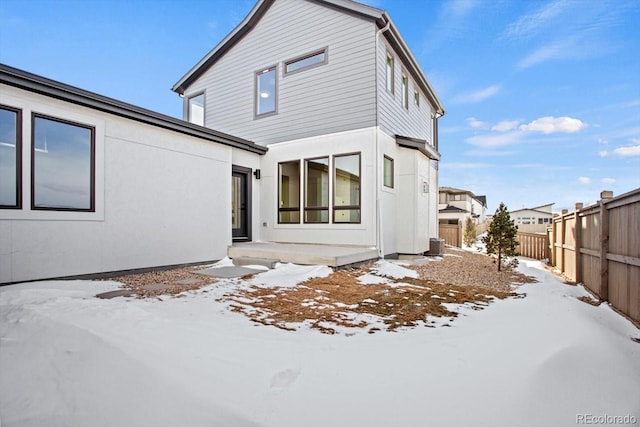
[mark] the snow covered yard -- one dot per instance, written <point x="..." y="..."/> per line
<point x="70" y="359"/>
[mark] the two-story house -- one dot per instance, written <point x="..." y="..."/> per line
<point x="456" y="205"/>
<point x="349" y="118"/>
<point x="310" y="122"/>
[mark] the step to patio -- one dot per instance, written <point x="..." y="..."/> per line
<point x="245" y="260"/>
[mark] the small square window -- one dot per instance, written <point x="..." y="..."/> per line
<point x="388" y="172"/>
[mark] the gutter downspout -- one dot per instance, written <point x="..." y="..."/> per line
<point x="379" y="228"/>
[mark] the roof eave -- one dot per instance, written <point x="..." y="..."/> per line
<point x="34" y="83"/>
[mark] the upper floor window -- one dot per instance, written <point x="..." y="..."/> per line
<point x="195" y="109"/>
<point x="405" y="91"/>
<point x="388" y="172"/>
<point x="306" y="61"/>
<point x="10" y="158"/>
<point x="443" y="198"/>
<point x="416" y="98"/>
<point x="389" y="73"/>
<point x="266" y="91"/>
<point x="63" y="165"/>
<point x="346" y="197"/>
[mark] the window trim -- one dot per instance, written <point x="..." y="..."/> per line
<point x="416" y="98"/>
<point x="390" y="70"/>
<point x="294" y="209"/>
<point x="92" y="173"/>
<point x="333" y="199"/>
<point x="18" y="148"/>
<point x="256" y="76"/>
<point x="204" y="107"/>
<point x="385" y="157"/>
<point x="325" y="61"/>
<point x="305" y="208"/>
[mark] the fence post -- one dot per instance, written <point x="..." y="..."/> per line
<point x="563" y="225"/>
<point x="578" y="238"/>
<point x="604" y="245"/>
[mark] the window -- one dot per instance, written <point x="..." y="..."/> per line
<point x="62" y="165"/>
<point x="390" y="73"/>
<point x="388" y="172"/>
<point x="10" y="158"/>
<point x="289" y="192"/>
<point x="416" y="98"/>
<point x="307" y="61"/>
<point x="195" y="109"/>
<point x="346" y="196"/>
<point x="405" y="91"/>
<point x="266" y="91"/>
<point x="442" y="198"/>
<point x="458" y="197"/>
<point x="316" y="200"/>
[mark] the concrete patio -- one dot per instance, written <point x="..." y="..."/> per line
<point x="300" y="253"/>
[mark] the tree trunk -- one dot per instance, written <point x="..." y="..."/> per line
<point x="499" y="258"/>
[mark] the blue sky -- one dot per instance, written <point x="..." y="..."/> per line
<point x="542" y="97"/>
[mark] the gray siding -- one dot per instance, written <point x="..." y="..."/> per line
<point x="334" y="97"/>
<point x="393" y="118"/>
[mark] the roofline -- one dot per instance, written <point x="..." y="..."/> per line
<point x="418" y="144"/>
<point x="532" y="209"/>
<point x="380" y="17"/>
<point x="34" y="83"/>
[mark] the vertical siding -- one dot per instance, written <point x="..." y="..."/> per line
<point x="331" y="98"/>
<point x="414" y="122"/>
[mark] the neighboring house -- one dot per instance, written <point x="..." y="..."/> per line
<point x="89" y="184"/>
<point x="349" y="117"/>
<point x="533" y="220"/>
<point x="456" y="205"/>
<point x="326" y="132"/>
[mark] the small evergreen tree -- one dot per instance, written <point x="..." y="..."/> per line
<point x="470" y="232"/>
<point x="501" y="238"/>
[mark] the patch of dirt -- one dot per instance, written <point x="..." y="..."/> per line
<point x="590" y="301"/>
<point x="468" y="268"/>
<point x="340" y="300"/>
<point x="177" y="280"/>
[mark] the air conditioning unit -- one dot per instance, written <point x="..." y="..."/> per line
<point x="436" y="247"/>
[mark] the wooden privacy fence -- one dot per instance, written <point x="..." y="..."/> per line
<point x="599" y="246"/>
<point x="532" y="245"/>
<point x="451" y="234"/>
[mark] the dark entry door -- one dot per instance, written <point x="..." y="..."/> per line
<point x="240" y="203"/>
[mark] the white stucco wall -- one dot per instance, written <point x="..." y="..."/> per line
<point x="162" y="198"/>
<point x="358" y="141"/>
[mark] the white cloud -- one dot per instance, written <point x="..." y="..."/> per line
<point x="493" y="140"/>
<point x="554" y="50"/>
<point x="506" y="125"/>
<point x="584" y="180"/>
<point x="630" y="150"/>
<point x="477" y="96"/>
<point x="529" y="24"/>
<point x="603" y="141"/>
<point x="477" y="124"/>
<point x="554" y="125"/>
<point x="603" y="153"/>
<point x="608" y="180"/>
<point x="460" y="8"/>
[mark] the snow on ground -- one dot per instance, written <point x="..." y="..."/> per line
<point x="69" y="359"/>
